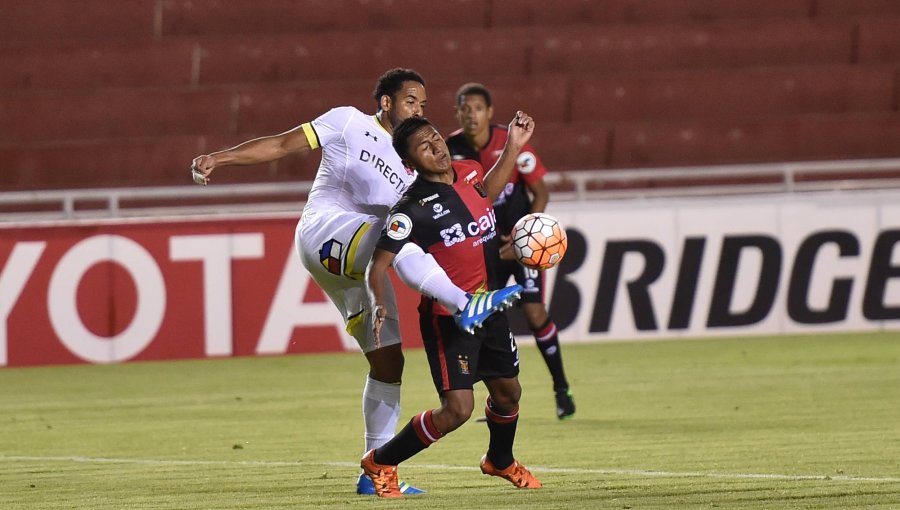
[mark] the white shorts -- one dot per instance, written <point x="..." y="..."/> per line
<point x="335" y="247"/>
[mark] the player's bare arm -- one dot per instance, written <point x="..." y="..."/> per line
<point x="376" y="272"/>
<point x="540" y="195"/>
<point x="520" y="130"/>
<point x="251" y="152"/>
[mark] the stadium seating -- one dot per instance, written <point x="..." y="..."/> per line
<point x="94" y="65"/>
<point x="98" y="93"/>
<point x="115" y="113"/>
<point x="314" y="57"/>
<point x="42" y="20"/>
<point x="740" y="93"/>
<point x="879" y="40"/>
<point x="790" y="138"/>
<point x="720" y="45"/>
<point x="608" y="12"/>
<point x="856" y="8"/>
<point x="210" y="17"/>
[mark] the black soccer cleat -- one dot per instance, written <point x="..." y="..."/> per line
<point x="565" y="405"/>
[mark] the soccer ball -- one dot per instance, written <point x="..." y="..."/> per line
<point x="539" y="241"/>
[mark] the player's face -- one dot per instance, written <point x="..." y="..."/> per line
<point x="408" y="102"/>
<point x="428" y="151"/>
<point x="473" y="114"/>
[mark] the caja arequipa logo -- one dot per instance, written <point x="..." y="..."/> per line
<point x="399" y="226"/>
<point x="453" y="235"/>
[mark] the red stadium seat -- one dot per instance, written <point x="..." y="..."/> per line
<point x="363" y="55"/>
<point x="879" y="40"/>
<point x="721" y="45"/>
<point x="212" y="17"/>
<point x="575" y="12"/>
<point x="88" y="65"/>
<point x="581" y="146"/>
<point x="101" y="163"/>
<point x="743" y="93"/>
<point x="813" y="137"/>
<point x="152" y="161"/>
<point x="845" y="8"/>
<point x="267" y="109"/>
<point x="113" y="113"/>
<point x="43" y="20"/>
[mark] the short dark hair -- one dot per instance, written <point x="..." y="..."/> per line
<point x="473" y="89"/>
<point x="403" y="131"/>
<point x="392" y="81"/>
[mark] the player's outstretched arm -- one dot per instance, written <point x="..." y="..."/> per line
<point x="251" y="152"/>
<point x="520" y="130"/>
<point x="376" y="272"/>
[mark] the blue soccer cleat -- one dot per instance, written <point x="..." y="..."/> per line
<point x="484" y="303"/>
<point x="365" y="487"/>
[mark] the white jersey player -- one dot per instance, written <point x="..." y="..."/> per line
<point x="360" y="178"/>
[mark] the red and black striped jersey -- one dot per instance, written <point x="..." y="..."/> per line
<point x="514" y="202"/>
<point x="455" y="223"/>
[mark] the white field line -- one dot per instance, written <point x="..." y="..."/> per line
<point x="580" y="471"/>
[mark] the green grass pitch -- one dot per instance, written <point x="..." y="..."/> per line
<point x="781" y="422"/>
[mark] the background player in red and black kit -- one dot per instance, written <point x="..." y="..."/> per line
<point x="479" y="140"/>
<point x="448" y="212"/>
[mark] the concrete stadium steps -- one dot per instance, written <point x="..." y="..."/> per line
<point x="43" y="20"/>
<point x="793" y="138"/>
<point x="164" y="160"/>
<point x="459" y="54"/>
<point x="90" y="65"/>
<point x="856" y="8"/>
<point x="333" y="56"/>
<point x="711" y="46"/>
<point x="115" y="113"/>
<point x="607" y="12"/>
<point x="40" y="20"/>
<point x="94" y="93"/>
<point x="239" y="109"/>
<point x="579" y="146"/>
<point x="263" y="17"/>
<point x="145" y="161"/>
<point x="879" y="40"/>
<point x="742" y="93"/>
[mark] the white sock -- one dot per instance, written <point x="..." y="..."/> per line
<point x="419" y="271"/>
<point x="381" y="410"/>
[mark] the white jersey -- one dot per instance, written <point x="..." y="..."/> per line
<point x="360" y="171"/>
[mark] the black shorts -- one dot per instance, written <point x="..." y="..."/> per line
<point x="458" y="360"/>
<point x="531" y="280"/>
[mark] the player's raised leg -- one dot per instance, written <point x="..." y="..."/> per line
<point x="419" y="271"/>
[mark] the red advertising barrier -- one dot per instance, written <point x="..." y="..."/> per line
<point x="140" y="290"/>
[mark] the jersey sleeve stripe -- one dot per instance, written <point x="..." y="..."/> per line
<point x="311" y="136"/>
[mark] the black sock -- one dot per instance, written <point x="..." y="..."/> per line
<point x="548" y="343"/>
<point x="417" y="435"/>
<point x="502" y="425"/>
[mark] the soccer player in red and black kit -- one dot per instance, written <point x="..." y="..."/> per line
<point x="482" y="141"/>
<point x="448" y="212"/>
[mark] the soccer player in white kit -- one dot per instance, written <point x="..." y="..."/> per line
<point x="359" y="179"/>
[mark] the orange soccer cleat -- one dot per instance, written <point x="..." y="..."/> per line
<point x="515" y="473"/>
<point x="384" y="477"/>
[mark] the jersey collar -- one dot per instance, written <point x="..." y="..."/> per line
<point x="378" y="122"/>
